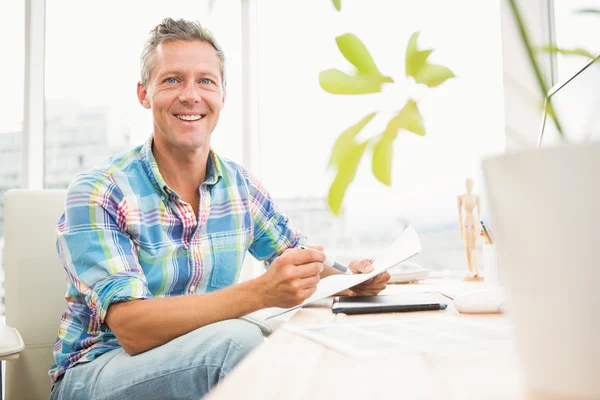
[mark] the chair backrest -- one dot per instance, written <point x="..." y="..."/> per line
<point x="35" y="286"/>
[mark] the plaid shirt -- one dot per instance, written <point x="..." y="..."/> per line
<point x="126" y="235"/>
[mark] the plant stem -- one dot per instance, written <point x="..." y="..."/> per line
<point x="534" y="65"/>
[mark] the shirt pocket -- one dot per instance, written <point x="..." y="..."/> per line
<point x="228" y="251"/>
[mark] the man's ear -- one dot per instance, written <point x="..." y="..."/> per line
<point x="142" y="94"/>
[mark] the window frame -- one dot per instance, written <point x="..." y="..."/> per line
<point x="34" y="115"/>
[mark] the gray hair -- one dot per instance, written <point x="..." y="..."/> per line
<point x="171" y="30"/>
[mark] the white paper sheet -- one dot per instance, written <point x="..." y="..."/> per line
<point x="406" y="246"/>
<point x="422" y="334"/>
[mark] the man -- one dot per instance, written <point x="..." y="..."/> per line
<point x="153" y="242"/>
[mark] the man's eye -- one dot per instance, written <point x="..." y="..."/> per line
<point x="206" y="81"/>
<point x="171" y="81"/>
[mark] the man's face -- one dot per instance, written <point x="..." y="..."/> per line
<point x="185" y="94"/>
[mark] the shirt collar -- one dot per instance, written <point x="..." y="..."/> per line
<point x="213" y="168"/>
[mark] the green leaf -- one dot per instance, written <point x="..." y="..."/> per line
<point x="588" y="11"/>
<point x="567" y="52"/>
<point x="345" y="175"/>
<point x="366" y="79"/>
<point x="433" y="75"/>
<point x="345" y="141"/>
<point x="337" y="4"/>
<point x="355" y="51"/>
<point x="337" y="82"/>
<point x="408" y="118"/>
<point x="381" y="162"/>
<point x="415" y="59"/>
<point x="416" y="62"/>
<point x="422" y="71"/>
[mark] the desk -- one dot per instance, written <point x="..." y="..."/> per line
<point x="289" y="366"/>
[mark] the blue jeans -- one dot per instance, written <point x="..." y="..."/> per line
<point x="185" y="368"/>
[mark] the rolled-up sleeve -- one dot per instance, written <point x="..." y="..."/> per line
<point x="99" y="256"/>
<point x="272" y="233"/>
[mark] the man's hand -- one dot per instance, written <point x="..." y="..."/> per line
<point x="292" y="277"/>
<point x="373" y="286"/>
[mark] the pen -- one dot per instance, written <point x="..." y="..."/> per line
<point x="487" y="240"/>
<point x="487" y="233"/>
<point x="330" y="262"/>
<point x="491" y="234"/>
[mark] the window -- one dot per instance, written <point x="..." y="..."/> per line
<point x="93" y="65"/>
<point x="575" y="30"/>
<point x="12" y="17"/>
<point x="299" y="122"/>
<point x="92" y="112"/>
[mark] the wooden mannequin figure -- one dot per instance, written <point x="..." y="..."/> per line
<point x="469" y="227"/>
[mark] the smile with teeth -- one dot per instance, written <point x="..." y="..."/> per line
<point x="189" y="117"/>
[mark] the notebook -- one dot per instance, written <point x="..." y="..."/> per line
<point x="403" y="302"/>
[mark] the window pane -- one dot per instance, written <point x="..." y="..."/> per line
<point x="12" y="42"/>
<point x="299" y="121"/>
<point x="575" y="30"/>
<point x="576" y="103"/>
<point x="93" y="66"/>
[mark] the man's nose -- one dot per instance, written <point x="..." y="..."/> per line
<point x="190" y="93"/>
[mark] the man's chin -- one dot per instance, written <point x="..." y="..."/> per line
<point x="192" y="142"/>
<point x="185" y="139"/>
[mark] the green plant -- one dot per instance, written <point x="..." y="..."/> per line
<point x="347" y="152"/>
<point x="578" y="51"/>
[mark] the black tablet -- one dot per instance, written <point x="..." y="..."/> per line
<point x="386" y="303"/>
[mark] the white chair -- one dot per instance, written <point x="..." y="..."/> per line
<point x="35" y="287"/>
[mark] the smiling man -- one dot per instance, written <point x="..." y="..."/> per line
<point x="153" y="242"/>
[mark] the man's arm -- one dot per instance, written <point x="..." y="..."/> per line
<point x="141" y="325"/>
<point x="101" y="263"/>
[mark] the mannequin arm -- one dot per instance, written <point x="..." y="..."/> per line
<point x="478" y="209"/>
<point x="460" y="217"/>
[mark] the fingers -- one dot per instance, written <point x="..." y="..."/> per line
<point x="319" y="247"/>
<point x="308" y="270"/>
<point x="376" y="281"/>
<point x="382" y="278"/>
<point x="346" y="292"/>
<point x="309" y="282"/>
<point x="303" y="289"/>
<point x="309" y="292"/>
<point x="298" y="256"/>
<point x="361" y="266"/>
<point x="356" y="292"/>
<point x="373" y="286"/>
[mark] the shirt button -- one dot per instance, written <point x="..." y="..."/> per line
<point x="188" y="214"/>
<point x="162" y="198"/>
